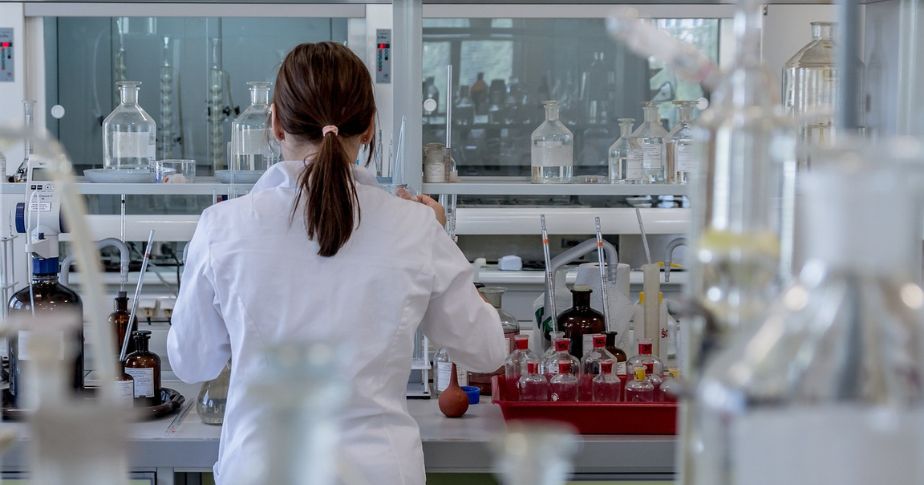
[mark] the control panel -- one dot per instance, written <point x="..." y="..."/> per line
<point x="383" y="56"/>
<point x="6" y="55"/>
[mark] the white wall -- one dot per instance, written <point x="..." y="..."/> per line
<point x="11" y="94"/>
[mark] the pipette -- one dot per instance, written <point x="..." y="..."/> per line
<point x="641" y="228"/>
<point x="549" y="277"/>
<point x="131" y="317"/>
<point x="602" y="263"/>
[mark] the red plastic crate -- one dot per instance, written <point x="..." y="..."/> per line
<point x="592" y="417"/>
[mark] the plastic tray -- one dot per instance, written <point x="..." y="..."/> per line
<point x="592" y="417"/>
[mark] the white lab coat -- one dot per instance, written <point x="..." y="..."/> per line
<point x="252" y="279"/>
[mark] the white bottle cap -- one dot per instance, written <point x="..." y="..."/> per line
<point x="861" y="216"/>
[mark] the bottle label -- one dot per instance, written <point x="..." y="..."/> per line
<point x="443" y="375"/>
<point x="812" y="445"/>
<point x="634" y="164"/>
<point x="125" y="391"/>
<point x="133" y="145"/>
<point x="588" y="341"/>
<point x="434" y="172"/>
<point x="621" y="369"/>
<point x="144" y="381"/>
<point x="550" y="153"/>
<point x="686" y="159"/>
<point x="652" y="156"/>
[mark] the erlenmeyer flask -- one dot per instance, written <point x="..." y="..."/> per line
<point x="213" y="396"/>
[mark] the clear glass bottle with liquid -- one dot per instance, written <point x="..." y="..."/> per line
<point x="681" y="150"/>
<point x="590" y="365"/>
<point x="649" y="140"/>
<point x="838" y="357"/>
<point x="213" y="397"/>
<point x="810" y="86"/>
<point x="533" y="386"/>
<point x="514" y="366"/>
<point x="671" y="386"/>
<point x="551" y="364"/>
<point x="563" y="386"/>
<point x="552" y="152"/>
<point x="129" y="133"/>
<point x="251" y="142"/>
<point x="640" y="389"/>
<point x="645" y="357"/>
<point x="620" y="171"/>
<point x="606" y="386"/>
<point x="144" y="367"/>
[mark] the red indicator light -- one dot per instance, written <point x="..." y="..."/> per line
<point x="5" y="44"/>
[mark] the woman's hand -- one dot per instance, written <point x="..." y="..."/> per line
<point x="426" y="200"/>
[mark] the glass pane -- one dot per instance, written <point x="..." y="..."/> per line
<point x="505" y="68"/>
<point x="176" y="60"/>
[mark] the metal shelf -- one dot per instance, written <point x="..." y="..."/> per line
<point x="204" y="186"/>
<point x="516" y="186"/>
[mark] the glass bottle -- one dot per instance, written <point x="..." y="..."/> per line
<point x="119" y="321"/>
<point x="606" y="386"/>
<point x="217" y="108"/>
<point x="671" y="386"/>
<point x="838" y="356"/>
<point x="620" y="171"/>
<point x="563" y="386"/>
<point x="442" y="372"/>
<point x="552" y="151"/>
<point x="49" y="296"/>
<point x="515" y="363"/>
<point x="655" y="379"/>
<point x="645" y="357"/>
<point x="533" y="386"/>
<point x="581" y="322"/>
<point x="166" y="138"/>
<point x="251" y="143"/>
<point x="535" y="453"/>
<point x="619" y="354"/>
<point x="213" y="396"/>
<point x="125" y="387"/>
<point x="129" y="133"/>
<point x="590" y="365"/>
<point x="810" y="86"/>
<point x="640" y="389"/>
<point x="144" y="367"/>
<point x="649" y="139"/>
<point x="553" y="337"/>
<point x="510" y="325"/>
<point x="681" y="152"/>
<point x="551" y="364"/>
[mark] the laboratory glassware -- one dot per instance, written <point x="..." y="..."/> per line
<point x="563" y="386"/>
<point x="144" y="367"/>
<point x="124" y="387"/>
<point x="532" y="385"/>
<point x="650" y="139"/>
<point x="606" y="386"/>
<point x="251" y="143"/>
<point x="119" y="321"/>
<point x="590" y="365"/>
<point x="671" y="387"/>
<point x="655" y="379"/>
<point x="434" y="159"/>
<point x="129" y="133"/>
<point x="515" y="365"/>
<point x="173" y="171"/>
<point x="453" y="401"/>
<point x="551" y="364"/>
<point x="681" y="151"/>
<point x="535" y="453"/>
<point x="216" y="104"/>
<point x="28" y="120"/>
<point x="618" y="354"/>
<point x="552" y="151"/>
<point x="43" y="296"/>
<point x="581" y="322"/>
<point x="166" y="137"/>
<point x="620" y="171"/>
<point x="645" y="358"/>
<point x="837" y="358"/>
<point x="511" y="327"/>
<point x="443" y="370"/>
<point x="639" y="389"/>
<point x="810" y="86"/>
<point x="213" y="397"/>
<point x="553" y="337"/>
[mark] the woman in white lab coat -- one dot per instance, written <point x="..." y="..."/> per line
<point x="317" y="252"/>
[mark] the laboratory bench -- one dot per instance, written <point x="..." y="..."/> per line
<point x="183" y="444"/>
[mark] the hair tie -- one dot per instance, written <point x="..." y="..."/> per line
<point x="330" y="129"/>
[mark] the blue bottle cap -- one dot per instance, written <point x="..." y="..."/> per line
<point x="42" y="266"/>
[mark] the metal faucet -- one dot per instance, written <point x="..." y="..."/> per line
<point x="110" y="242"/>
<point x="669" y="259"/>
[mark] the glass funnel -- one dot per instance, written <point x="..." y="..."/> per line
<point x="620" y="171"/>
<point x="552" y="151"/>
<point x="213" y="395"/>
<point x="129" y="132"/>
<point x="650" y="138"/>
<point x="681" y="152"/>
<point x="251" y="143"/>
<point x="834" y="370"/>
<point x="810" y="86"/>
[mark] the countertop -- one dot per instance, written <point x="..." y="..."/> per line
<point x="450" y="445"/>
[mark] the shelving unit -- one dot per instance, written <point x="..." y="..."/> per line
<point x="204" y="186"/>
<point x="521" y="186"/>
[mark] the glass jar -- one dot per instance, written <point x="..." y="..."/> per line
<point x="494" y="296"/>
<point x="552" y="154"/>
<point x="251" y="141"/>
<point x="144" y="367"/>
<point x="681" y="152"/>
<point x="213" y="396"/>
<point x="581" y="322"/>
<point x="620" y="171"/>
<point x="435" y="163"/>
<point x="129" y="133"/>
<point x="649" y="147"/>
<point x="810" y="86"/>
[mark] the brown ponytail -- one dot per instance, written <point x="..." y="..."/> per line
<point x="321" y="85"/>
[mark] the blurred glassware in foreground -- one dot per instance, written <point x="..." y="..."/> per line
<point x="810" y="87"/>
<point x="535" y="453"/>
